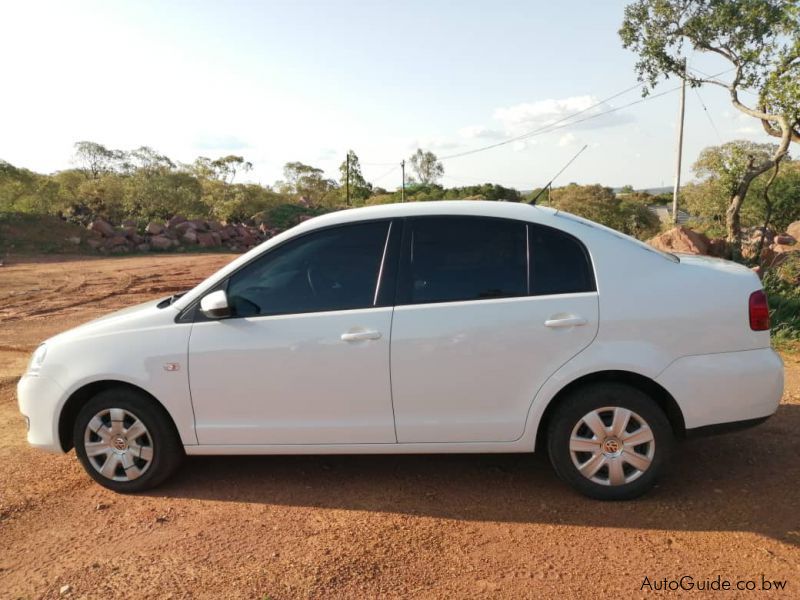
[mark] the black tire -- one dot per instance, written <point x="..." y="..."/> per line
<point x="165" y="449"/>
<point x="569" y="417"/>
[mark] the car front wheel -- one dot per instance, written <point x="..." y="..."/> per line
<point x="609" y="441"/>
<point x="125" y="441"/>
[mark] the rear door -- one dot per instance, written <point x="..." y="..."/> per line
<point x="487" y="309"/>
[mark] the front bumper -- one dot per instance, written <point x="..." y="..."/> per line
<point x="39" y="400"/>
<point x="713" y="389"/>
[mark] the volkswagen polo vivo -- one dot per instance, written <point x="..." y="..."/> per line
<point x="419" y="328"/>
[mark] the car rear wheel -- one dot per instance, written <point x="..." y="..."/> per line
<point x="125" y="441"/>
<point x="609" y="441"/>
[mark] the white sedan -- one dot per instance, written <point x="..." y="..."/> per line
<point x="419" y="328"/>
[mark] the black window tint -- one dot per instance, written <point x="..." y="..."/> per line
<point x="462" y="258"/>
<point x="559" y="263"/>
<point x="334" y="269"/>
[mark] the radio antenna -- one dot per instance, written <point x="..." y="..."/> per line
<point x="550" y="183"/>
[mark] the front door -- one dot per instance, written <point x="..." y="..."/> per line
<point x="305" y="357"/>
<point x="479" y="327"/>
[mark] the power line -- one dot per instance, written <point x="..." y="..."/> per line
<point x="708" y="114"/>
<point x="386" y="174"/>
<point x="542" y="129"/>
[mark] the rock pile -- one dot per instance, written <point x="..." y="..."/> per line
<point x="178" y="234"/>
<point x="775" y="249"/>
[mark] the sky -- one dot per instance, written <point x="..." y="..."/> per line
<point x="306" y="80"/>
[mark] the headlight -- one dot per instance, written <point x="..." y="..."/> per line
<point x="38" y="358"/>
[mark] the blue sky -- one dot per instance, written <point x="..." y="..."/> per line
<point x="306" y="80"/>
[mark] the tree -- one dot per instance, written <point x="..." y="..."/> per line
<point x="95" y="159"/>
<point x="426" y="166"/>
<point x="759" y="39"/>
<point x="227" y="166"/>
<point x="305" y="180"/>
<point x="600" y="204"/>
<point x="359" y="188"/>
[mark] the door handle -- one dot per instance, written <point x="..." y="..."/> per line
<point x="565" y="322"/>
<point x="358" y="336"/>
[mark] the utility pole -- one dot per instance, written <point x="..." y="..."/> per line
<point x="676" y="192"/>
<point x="347" y="178"/>
<point x="403" y="190"/>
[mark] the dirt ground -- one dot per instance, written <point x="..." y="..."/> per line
<point x="498" y="526"/>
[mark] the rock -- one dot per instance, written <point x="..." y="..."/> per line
<point x="190" y="236"/>
<point x="129" y="232"/>
<point x="94" y="244"/>
<point x="682" y="240"/>
<point x="183" y="227"/>
<point x="205" y="240"/>
<point x="217" y="238"/>
<point x="159" y="242"/>
<point x="174" y="221"/>
<point x="129" y="223"/>
<point x="718" y="247"/>
<point x="74" y="240"/>
<point x="783" y="248"/>
<point x="199" y="224"/>
<point x="785" y="239"/>
<point x="102" y="227"/>
<point x="794" y="230"/>
<point x="65" y="589"/>
<point x="154" y="228"/>
<point x="120" y="250"/>
<point x="117" y="240"/>
<point x="214" y="225"/>
<point x="143" y="247"/>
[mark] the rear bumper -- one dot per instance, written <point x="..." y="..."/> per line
<point x="39" y="398"/>
<point x="725" y="388"/>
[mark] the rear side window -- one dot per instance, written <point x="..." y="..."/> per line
<point x="559" y="263"/>
<point x="463" y="258"/>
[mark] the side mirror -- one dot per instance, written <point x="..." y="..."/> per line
<point x="215" y="305"/>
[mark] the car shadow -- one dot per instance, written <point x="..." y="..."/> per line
<point x="744" y="481"/>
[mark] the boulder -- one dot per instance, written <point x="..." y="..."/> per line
<point x="783" y="248"/>
<point x="154" y="228"/>
<point x="116" y="241"/>
<point x="184" y="226"/>
<point x="205" y="240"/>
<point x="217" y="238"/>
<point x="129" y="223"/>
<point x="794" y="230"/>
<point x="682" y="240"/>
<point x="74" y="240"/>
<point x="718" y="247"/>
<point x="189" y="236"/>
<point x="129" y="231"/>
<point x="94" y="244"/>
<point x="785" y="239"/>
<point x="102" y="227"/>
<point x="174" y="221"/>
<point x="159" y="242"/>
<point x="143" y="247"/>
<point x="199" y="224"/>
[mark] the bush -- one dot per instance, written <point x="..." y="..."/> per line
<point x="782" y="286"/>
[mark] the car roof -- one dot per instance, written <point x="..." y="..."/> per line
<point x="483" y="208"/>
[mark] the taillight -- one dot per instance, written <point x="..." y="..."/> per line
<point x="759" y="311"/>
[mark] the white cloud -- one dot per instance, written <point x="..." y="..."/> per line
<point x="529" y="116"/>
<point x="566" y="139"/>
<point x="479" y="131"/>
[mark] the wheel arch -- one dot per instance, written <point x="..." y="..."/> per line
<point x="78" y="398"/>
<point x="650" y="387"/>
